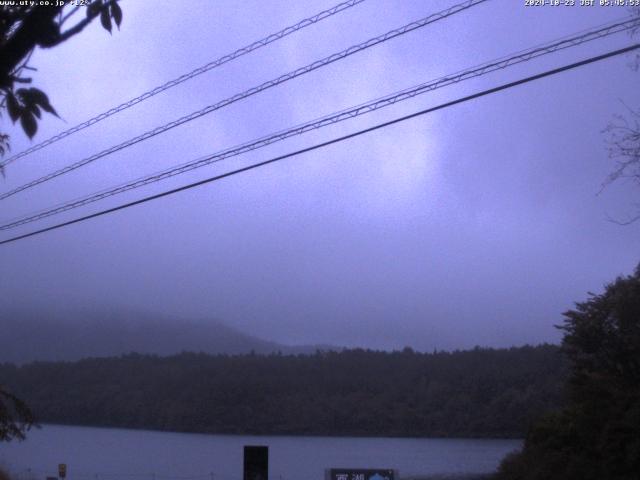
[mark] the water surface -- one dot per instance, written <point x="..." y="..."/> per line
<point x="109" y="454"/>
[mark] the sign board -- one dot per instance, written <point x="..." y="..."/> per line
<point x="256" y="462"/>
<point x="361" y="474"/>
<point x="62" y="470"/>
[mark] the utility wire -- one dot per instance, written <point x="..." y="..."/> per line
<point x="406" y="94"/>
<point x="329" y="142"/>
<point x="252" y="91"/>
<point x="188" y="76"/>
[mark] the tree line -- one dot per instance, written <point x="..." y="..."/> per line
<point x="475" y="393"/>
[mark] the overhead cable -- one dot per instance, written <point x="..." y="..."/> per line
<point x="329" y="142"/>
<point x="187" y="76"/>
<point x="406" y="94"/>
<point x="252" y="91"/>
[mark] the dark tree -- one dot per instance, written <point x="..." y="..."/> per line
<point x="597" y="435"/>
<point x="24" y="28"/>
<point x="15" y="417"/>
<point x="624" y="148"/>
<point x="623" y="137"/>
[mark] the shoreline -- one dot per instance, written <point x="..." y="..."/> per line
<point x="289" y="435"/>
<point x="451" y="476"/>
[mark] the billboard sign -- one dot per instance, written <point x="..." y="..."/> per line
<point x="361" y="474"/>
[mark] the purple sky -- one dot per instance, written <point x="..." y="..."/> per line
<point x="478" y="224"/>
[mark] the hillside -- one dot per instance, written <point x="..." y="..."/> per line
<point x="74" y="334"/>
<point x="476" y="393"/>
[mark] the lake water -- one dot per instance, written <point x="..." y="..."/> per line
<point x="109" y="454"/>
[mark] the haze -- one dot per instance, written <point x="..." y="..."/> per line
<point x="476" y="225"/>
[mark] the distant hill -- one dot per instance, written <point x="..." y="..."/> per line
<point x="72" y="335"/>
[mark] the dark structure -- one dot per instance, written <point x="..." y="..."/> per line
<point x="256" y="463"/>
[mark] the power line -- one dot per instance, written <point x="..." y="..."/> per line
<point x="382" y="102"/>
<point x="329" y="142"/>
<point x="188" y="76"/>
<point x="252" y="91"/>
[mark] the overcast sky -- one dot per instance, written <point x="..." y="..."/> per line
<point x="475" y="225"/>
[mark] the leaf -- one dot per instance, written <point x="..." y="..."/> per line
<point x="29" y="124"/>
<point x="105" y="20"/>
<point x="13" y="107"/>
<point x="24" y="96"/>
<point x="38" y="97"/>
<point x="94" y="8"/>
<point x="116" y="13"/>
<point x="36" y="111"/>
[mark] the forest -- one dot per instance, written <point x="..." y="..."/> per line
<point x="475" y="393"/>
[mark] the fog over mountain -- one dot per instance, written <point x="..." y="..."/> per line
<point x="478" y="224"/>
<point x="32" y="335"/>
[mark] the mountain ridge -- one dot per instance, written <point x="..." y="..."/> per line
<point x="32" y="335"/>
